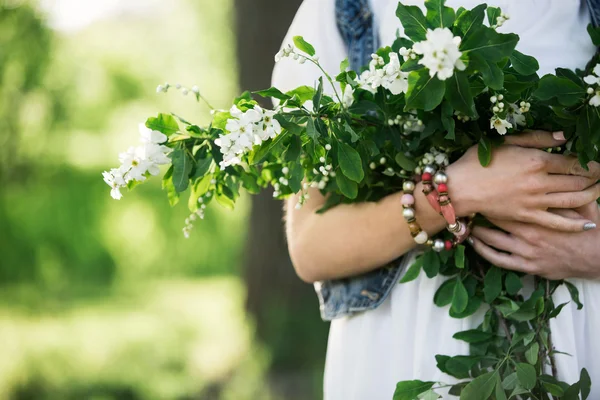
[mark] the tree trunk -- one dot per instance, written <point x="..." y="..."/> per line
<point x="285" y="309"/>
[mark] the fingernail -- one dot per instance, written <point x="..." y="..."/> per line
<point x="470" y="241"/>
<point x="589" y="226"/>
<point x="560" y="135"/>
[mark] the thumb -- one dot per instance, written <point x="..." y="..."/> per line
<point x="537" y="139"/>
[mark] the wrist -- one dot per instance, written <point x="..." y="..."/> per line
<point x="460" y="190"/>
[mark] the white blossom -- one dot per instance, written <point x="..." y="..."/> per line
<point x="348" y="97"/>
<point x="138" y="162"/>
<point x="515" y="115"/>
<point x="500" y="125"/>
<point x="594" y="80"/>
<point x="114" y="179"/>
<point x="440" y="53"/>
<point x="244" y="130"/>
<point x="387" y="75"/>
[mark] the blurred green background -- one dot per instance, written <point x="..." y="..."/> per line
<point x="105" y="299"/>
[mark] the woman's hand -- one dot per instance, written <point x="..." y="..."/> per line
<point x="544" y="252"/>
<point x="522" y="183"/>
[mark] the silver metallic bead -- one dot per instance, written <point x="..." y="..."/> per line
<point x="429" y="170"/>
<point x="440" y="178"/>
<point x="408" y="214"/>
<point x="408" y="186"/>
<point x="438" y="245"/>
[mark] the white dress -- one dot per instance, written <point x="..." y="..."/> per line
<point x="370" y="352"/>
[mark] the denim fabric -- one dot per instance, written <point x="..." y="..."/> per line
<point x="347" y="296"/>
<point x="355" y="23"/>
<point x="594" y="7"/>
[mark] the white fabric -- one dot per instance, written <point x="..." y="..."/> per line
<point x="368" y="353"/>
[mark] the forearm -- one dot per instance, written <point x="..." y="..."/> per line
<point x="351" y="239"/>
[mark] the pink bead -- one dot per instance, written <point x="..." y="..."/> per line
<point x="449" y="213"/>
<point x="407" y="200"/>
<point x="433" y="201"/>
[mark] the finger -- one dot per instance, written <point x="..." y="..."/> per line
<point x="537" y="139"/>
<point x="564" y="212"/>
<point x="567" y="183"/>
<point x="559" y="223"/>
<point x="589" y="211"/>
<point x="501" y="241"/>
<point x="559" y="164"/>
<point x="573" y="199"/>
<point x="499" y="259"/>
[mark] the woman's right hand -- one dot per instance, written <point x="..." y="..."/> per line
<point x="522" y="182"/>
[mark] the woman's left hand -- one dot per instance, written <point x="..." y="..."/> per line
<point x="536" y="250"/>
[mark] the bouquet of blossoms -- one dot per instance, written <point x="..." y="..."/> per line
<point x="450" y="83"/>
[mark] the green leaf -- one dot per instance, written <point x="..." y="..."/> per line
<point x="409" y="390"/>
<point x="594" y="34"/>
<point x="527" y="375"/>
<point x="500" y="395"/>
<point x="304" y="46"/>
<point x="458" y="93"/>
<point x="484" y="151"/>
<point x="588" y="124"/>
<point x="353" y="135"/>
<point x="350" y="162"/>
<point x="404" y="162"/>
<point x="513" y="283"/>
<point x="524" y="64"/>
<point x="460" y="297"/>
<point x="459" y="256"/>
<point x="567" y="92"/>
<point x="473" y="336"/>
<point x="266" y="148"/>
<point x="438" y="15"/>
<point x="347" y="187"/>
<point x="318" y="96"/>
<point x="302" y="93"/>
<point x="532" y="353"/>
<point x="492" y="75"/>
<point x="448" y="120"/>
<point x="164" y="123"/>
<point x="167" y="184"/>
<point x="460" y="366"/>
<point x="182" y="166"/>
<point x="557" y="310"/>
<point x="481" y="387"/>
<point x="489" y="44"/>
<point x="472" y="307"/>
<point x="429" y="395"/>
<point x="344" y="65"/>
<point x="202" y="166"/>
<point x="493" y="13"/>
<point x="510" y="382"/>
<point x="413" y="21"/>
<point x="574" y="292"/>
<point x="468" y="21"/>
<point x="424" y="92"/>
<point x="431" y="263"/>
<point x="413" y="272"/>
<point x="585" y="383"/>
<point x="311" y="129"/>
<point x="492" y="284"/>
<point x="293" y="151"/>
<point x="443" y="296"/>
<point x="274" y="93"/>
<point x="199" y="188"/>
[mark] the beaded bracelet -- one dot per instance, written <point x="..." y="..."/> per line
<point x="461" y="229"/>
<point x="409" y="214"/>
